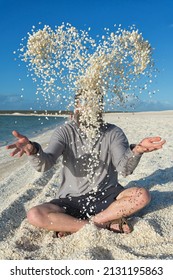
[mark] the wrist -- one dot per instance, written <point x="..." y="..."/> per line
<point x="34" y="148"/>
<point x="138" y="150"/>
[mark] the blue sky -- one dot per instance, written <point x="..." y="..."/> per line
<point x="154" y="19"/>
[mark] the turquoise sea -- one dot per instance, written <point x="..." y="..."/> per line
<point x="26" y="125"/>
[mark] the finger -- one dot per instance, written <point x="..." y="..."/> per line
<point x="155" y="148"/>
<point x="158" y="144"/>
<point x="159" y="147"/>
<point x="15" y="152"/>
<point x="155" y="138"/>
<point x="149" y="140"/>
<point x="18" y="144"/>
<point x="12" y="146"/>
<point x="21" y="153"/>
<point x="163" y="142"/>
<point x="28" y="151"/>
<point x="17" y="134"/>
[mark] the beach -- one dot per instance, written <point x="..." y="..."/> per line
<point x="21" y="187"/>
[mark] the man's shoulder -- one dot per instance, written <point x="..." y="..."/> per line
<point x="109" y="127"/>
<point x="65" y="127"/>
<point x="113" y="131"/>
<point x="65" y="124"/>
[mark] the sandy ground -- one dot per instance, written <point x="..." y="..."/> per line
<point x="21" y="188"/>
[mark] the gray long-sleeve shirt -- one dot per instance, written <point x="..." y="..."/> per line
<point x="115" y="156"/>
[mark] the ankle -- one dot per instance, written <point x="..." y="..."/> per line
<point x="98" y="224"/>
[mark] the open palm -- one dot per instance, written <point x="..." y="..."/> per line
<point x="21" y="146"/>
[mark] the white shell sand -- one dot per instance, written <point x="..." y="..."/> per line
<point x="21" y="188"/>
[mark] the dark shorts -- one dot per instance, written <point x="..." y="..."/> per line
<point x="85" y="206"/>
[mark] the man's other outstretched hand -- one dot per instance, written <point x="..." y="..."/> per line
<point x="21" y="146"/>
<point x="149" y="144"/>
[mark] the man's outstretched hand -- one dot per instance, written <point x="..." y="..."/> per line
<point x="149" y="144"/>
<point x="21" y="146"/>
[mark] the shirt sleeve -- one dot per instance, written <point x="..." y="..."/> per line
<point x="45" y="159"/>
<point x="123" y="158"/>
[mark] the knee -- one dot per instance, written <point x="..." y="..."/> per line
<point x="143" y="196"/>
<point x="35" y="216"/>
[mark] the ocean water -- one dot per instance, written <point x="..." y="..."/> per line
<point x="29" y="126"/>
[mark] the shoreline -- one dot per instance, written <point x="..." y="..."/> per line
<point x="67" y="114"/>
<point x="34" y="115"/>
<point x="27" y="125"/>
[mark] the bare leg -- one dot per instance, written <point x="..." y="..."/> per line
<point x="127" y="203"/>
<point x="52" y="217"/>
